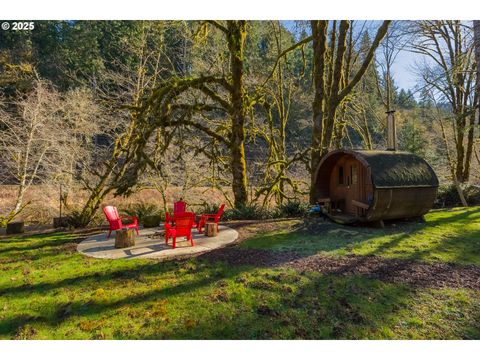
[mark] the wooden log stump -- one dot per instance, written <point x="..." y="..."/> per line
<point x="125" y="238"/>
<point x="17" y="227"/>
<point x="59" y="222"/>
<point x="211" y="229"/>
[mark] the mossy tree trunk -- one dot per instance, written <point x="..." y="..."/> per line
<point x="97" y="195"/>
<point x="331" y="85"/>
<point x="236" y="34"/>
<point x="319" y="33"/>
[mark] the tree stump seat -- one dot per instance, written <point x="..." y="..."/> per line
<point x="211" y="229"/>
<point x="124" y="238"/>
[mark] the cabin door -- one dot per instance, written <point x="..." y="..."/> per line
<point x="354" y="186"/>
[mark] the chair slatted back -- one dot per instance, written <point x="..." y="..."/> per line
<point x="111" y="213"/>
<point x="179" y="207"/>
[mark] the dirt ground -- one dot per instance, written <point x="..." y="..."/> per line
<point x="410" y="272"/>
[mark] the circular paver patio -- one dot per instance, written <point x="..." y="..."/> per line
<point x="151" y="244"/>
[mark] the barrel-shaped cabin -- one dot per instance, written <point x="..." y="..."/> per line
<point x="368" y="185"/>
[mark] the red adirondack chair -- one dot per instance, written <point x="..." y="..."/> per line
<point x="210" y="217"/>
<point x="183" y="227"/>
<point x="115" y="221"/>
<point x="179" y="207"/>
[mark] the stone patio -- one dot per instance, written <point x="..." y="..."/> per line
<point x="150" y="243"/>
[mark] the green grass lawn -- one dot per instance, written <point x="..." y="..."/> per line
<point x="49" y="291"/>
<point x="448" y="236"/>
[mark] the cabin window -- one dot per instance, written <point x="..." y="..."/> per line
<point x="353" y="170"/>
<point x="340" y="175"/>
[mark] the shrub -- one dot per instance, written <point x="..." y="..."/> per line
<point x="76" y="219"/>
<point x="447" y="196"/>
<point x="472" y="194"/>
<point x="293" y="208"/>
<point x="143" y="210"/>
<point x="247" y="212"/>
<point x="151" y="221"/>
<point x="209" y="208"/>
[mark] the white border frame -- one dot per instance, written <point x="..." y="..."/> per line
<point x="238" y="9"/>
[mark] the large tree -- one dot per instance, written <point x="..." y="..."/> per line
<point x="450" y="75"/>
<point x="332" y="82"/>
<point x="200" y="103"/>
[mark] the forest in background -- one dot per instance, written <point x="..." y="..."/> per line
<point x="244" y="108"/>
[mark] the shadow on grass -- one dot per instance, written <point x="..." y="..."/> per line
<point x="89" y="279"/>
<point x="81" y="308"/>
<point x="310" y="306"/>
<point x="459" y="249"/>
<point x="449" y="238"/>
<point x="47" y="241"/>
<point x="321" y="307"/>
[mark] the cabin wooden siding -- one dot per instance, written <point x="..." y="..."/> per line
<point x="356" y="184"/>
<point x="401" y="203"/>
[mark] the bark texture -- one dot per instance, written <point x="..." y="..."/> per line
<point x="236" y="34"/>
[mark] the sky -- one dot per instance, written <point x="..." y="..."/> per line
<point x="403" y="74"/>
